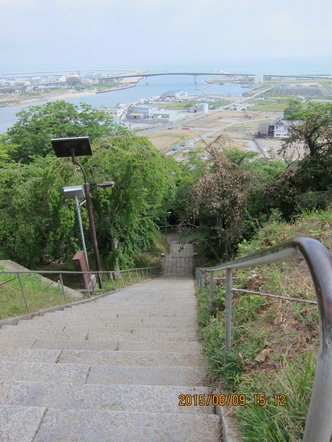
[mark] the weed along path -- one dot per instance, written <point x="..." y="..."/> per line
<point x="126" y="367"/>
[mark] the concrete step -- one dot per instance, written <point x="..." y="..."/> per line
<point x="162" y="313"/>
<point x="95" y="345"/>
<point x="29" y="355"/>
<point x="133" y="334"/>
<point x="99" y="326"/>
<point x="122" y="313"/>
<point x="20" y="424"/>
<point x="132" y="305"/>
<point x="38" y="424"/>
<point x="103" y="374"/>
<point x="138" y="358"/>
<point x="132" y="375"/>
<point x="106" y="426"/>
<point x="104" y="357"/>
<point x="104" y="321"/>
<point x="133" y="398"/>
<point x="44" y="372"/>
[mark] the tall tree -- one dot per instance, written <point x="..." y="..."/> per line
<point x="306" y="184"/>
<point x="36" y="125"/>
<point x="311" y="128"/>
<point x="218" y="204"/>
<point x="38" y="223"/>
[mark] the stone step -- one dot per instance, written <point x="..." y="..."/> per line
<point x="104" y="357"/>
<point x="54" y="344"/>
<point x="162" y="313"/>
<point x="103" y="374"/>
<point x="134" y="303"/>
<point x="138" y="358"/>
<point x="103" y="321"/>
<point x="133" y="398"/>
<point x="20" y="424"/>
<point x="106" y="426"/>
<point x="186" y="312"/>
<point x="38" y="424"/>
<point x="187" y="375"/>
<point x="132" y="306"/>
<point x="134" y="335"/>
<point x="99" y="326"/>
<point x="44" y="372"/>
<point x="29" y="355"/>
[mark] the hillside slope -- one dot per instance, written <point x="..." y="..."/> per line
<point x="275" y="342"/>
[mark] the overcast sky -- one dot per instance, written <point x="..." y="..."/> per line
<point x="166" y="34"/>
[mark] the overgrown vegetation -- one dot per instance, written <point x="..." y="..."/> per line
<point x="275" y="342"/>
<point x="37" y="223"/>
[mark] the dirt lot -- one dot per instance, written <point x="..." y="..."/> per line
<point x="239" y="126"/>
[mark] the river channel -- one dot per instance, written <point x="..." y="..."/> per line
<point x="155" y="87"/>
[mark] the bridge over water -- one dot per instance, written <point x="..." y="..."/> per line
<point x="244" y="76"/>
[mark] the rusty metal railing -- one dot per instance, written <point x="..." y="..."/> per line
<point x="319" y="419"/>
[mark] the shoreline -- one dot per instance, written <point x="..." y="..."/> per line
<point x="65" y="95"/>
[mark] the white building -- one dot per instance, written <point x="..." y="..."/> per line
<point x="281" y="128"/>
<point x="176" y="94"/>
<point x="200" y="107"/>
<point x="115" y="112"/>
<point x="259" y="79"/>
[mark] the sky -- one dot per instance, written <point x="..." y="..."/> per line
<point x="157" y="35"/>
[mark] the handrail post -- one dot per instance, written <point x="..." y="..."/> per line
<point x="211" y="288"/>
<point x="23" y="292"/>
<point x="228" y="311"/>
<point x="198" y="278"/>
<point x="62" y="288"/>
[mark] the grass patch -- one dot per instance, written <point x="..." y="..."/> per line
<point x="276" y="105"/>
<point x="39" y="295"/>
<point x="43" y="293"/>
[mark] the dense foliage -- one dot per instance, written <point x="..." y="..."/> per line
<point x="218" y="204"/>
<point x="306" y="184"/>
<point x="36" y="125"/>
<point x="220" y="195"/>
<point x="37" y="223"/>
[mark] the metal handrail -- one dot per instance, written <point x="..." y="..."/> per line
<point x="73" y="272"/>
<point x="143" y="271"/>
<point x="319" y="423"/>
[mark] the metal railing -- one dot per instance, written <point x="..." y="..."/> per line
<point x="319" y="422"/>
<point x="112" y="280"/>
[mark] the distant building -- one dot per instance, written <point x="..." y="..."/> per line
<point x="278" y="129"/>
<point x="115" y="112"/>
<point x="176" y="94"/>
<point x="265" y="130"/>
<point x="151" y="113"/>
<point x="281" y="128"/>
<point x="73" y="79"/>
<point x="141" y="111"/>
<point x="259" y="79"/>
<point x="201" y="107"/>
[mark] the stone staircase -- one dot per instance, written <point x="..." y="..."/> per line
<point x="108" y="370"/>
